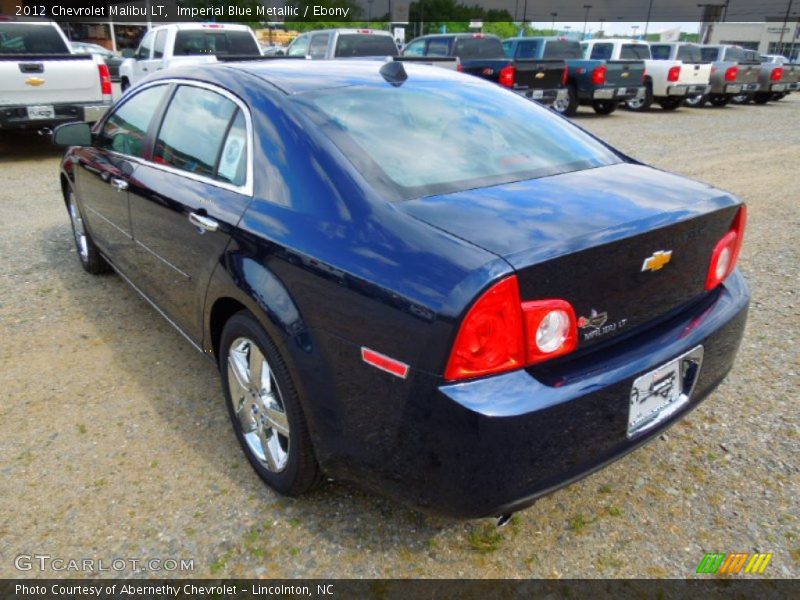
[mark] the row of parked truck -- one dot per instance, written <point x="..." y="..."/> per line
<point x="40" y="88"/>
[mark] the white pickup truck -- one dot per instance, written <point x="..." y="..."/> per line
<point x="43" y="83"/>
<point x="667" y="82"/>
<point x="187" y="44"/>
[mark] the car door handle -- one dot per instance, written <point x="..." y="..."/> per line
<point x="203" y="223"/>
<point x="120" y="184"/>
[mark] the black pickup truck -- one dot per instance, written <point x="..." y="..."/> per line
<point x="484" y="56"/>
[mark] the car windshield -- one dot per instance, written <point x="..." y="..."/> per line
<point x="365" y="44"/>
<point x="25" y="38"/>
<point x="433" y="137"/>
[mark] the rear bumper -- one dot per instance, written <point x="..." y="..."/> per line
<point x="687" y="90"/>
<point x="543" y="96"/>
<point x="19" y="117"/>
<point x="494" y="445"/>
<point x="617" y="93"/>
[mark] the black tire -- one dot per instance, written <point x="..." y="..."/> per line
<point x="88" y="254"/>
<point x="643" y="103"/>
<point x="300" y="472"/>
<point x="670" y="103"/>
<point x="779" y="96"/>
<point x="762" y="97"/>
<point x="124" y="84"/>
<point x="719" y="100"/>
<point x="604" y="107"/>
<point x="698" y="101"/>
<point x="745" y="98"/>
<point x="569" y="106"/>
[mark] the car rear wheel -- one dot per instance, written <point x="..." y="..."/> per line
<point x="264" y="407"/>
<point x="670" y="103"/>
<point x="604" y="107"/>
<point x="778" y="96"/>
<point x="567" y="105"/>
<point x="91" y="259"/>
<point x="641" y="103"/>
<point x="742" y="98"/>
<point x="697" y="101"/>
<point x="762" y="97"/>
<point x="124" y="84"/>
<point x="720" y="100"/>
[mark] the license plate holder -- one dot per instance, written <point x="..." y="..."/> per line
<point x="41" y="111"/>
<point x="537" y="94"/>
<point x="658" y="394"/>
<point x="604" y="94"/>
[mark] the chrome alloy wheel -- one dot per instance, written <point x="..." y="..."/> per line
<point x="635" y="103"/>
<point x="81" y="241"/>
<point x="258" y="404"/>
<point x="561" y="103"/>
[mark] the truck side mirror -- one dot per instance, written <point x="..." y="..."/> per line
<point x="73" y="134"/>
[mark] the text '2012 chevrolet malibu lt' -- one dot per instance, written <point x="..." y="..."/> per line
<point x="409" y="277"/>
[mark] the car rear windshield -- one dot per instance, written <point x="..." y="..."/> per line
<point x="634" y="52"/>
<point x="24" y="38"/>
<point x="735" y="54"/>
<point x="218" y="43"/>
<point x="364" y="44"/>
<point x="690" y="54"/>
<point x="434" y="137"/>
<point x="477" y="47"/>
<point x="563" y="50"/>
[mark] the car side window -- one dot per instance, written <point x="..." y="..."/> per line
<point x="299" y="47"/>
<point x="125" y="130"/>
<point x="660" y="52"/>
<point x="602" y="51"/>
<point x="318" y="45"/>
<point x="232" y="164"/>
<point x="143" y="53"/>
<point x="415" y="48"/>
<point x="438" y="47"/>
<point x="161" y="41"/>
<point x="192" y="132"/>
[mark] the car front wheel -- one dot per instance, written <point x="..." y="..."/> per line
<point x="697" y="101"/>
<point x="91" y="259"/>
<point x="264" y="407"/>
<point x="604" y="107"/>
<point x="641" y="103"/>
<point x="670" y="103"/>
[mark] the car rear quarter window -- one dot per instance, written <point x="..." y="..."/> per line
<point x="349" y="45"/>
<point x="602" y="51"/>
<point x="24" y="38"/>
<point x="192" y="132"/>
<point x="232" y="164"/>
<point x="125" y="131"/>
<point x="478" y="47"/>
<point x="634" y="52"/>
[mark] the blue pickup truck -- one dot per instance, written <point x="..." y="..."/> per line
<point x="601" y="84"/>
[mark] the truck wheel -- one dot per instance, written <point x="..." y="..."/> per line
<point x="778" y="96"/>
<point x="742" y="98"/>
<point x="641" y="103"/>
<point x="698" y="101"/>
<point x="567" y="106"/>
<point x="670" y="103"/>
<point x="720" y="100"/>
<point x="124" y="84"/>
<point x="604" y="107"/>
<point x="762" y="97"/>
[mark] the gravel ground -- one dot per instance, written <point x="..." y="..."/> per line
<point x="115" y="443"/>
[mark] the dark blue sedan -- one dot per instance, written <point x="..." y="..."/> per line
<point x="409" y="277"/>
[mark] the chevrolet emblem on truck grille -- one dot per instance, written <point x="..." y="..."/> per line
<point x="657" y="260"/>
<point x="34" y="81"/>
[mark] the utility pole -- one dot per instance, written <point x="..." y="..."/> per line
<point x="553" y="24"/>
<point x="585" y="19"/>
<point x="785" y="21"/>
<point x="647" y="22"/>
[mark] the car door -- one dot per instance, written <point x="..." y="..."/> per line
<point x="105" y="172"/>
<point x="190" y="195"/>
<point x="144" y="57"/>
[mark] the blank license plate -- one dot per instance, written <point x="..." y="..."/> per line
<point x="604" y="93"/>
<point x="41" y="112"/>
<point x="779" y="87"/>
<point x="657" y="395"/>
<point x="734" y="89"/>
<point x="537" y="94"/>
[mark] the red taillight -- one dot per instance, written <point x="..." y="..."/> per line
<point x="460" y="68"/>
<point x="731" y="73"/>
<point x="508" y="75"/>
<point x="478" y="36"/>
<point x="501" y="333"/>
<point x="726" y="252"/>
<point x="644" y="76"/>
<point x="599" y="75"/>
<point x="776" y="74"/>
<point x="674" y="73"/>
<point x="105" y="79"/>
<point x="550" y="329"/>
<point x="564" y="76"/>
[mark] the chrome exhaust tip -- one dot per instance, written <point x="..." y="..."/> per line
<point x="503" y="520"/>
<point x="45" y="131"/>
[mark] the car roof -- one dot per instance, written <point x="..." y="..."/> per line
<point x="457" y="35"/>
<point x="294" y="76"/>
<point x="348" y="31"/>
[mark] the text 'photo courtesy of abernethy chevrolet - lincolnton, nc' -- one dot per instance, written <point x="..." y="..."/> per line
<point x="412" y="270"/>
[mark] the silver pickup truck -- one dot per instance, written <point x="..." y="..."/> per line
<point x="770" y="80"/>
<point x="732" y="74"/>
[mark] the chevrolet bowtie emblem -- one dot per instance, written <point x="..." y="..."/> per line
<point x="625" y="73"/>
<point x="34" y="81"/>
<point x="539" y="75"/>
<point x="657" y="260"/>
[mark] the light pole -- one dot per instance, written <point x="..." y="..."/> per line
<point x="369" y="13"/>
<point x="647" y="22"/>
<point x="553" y="24"/>
<point x="602" y="24"/>
<point x="634" y="28"/>
<point x="785" y="20"/>
<point x="585" y="19"/>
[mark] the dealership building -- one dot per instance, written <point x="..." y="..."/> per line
<point x="768" y="38"/>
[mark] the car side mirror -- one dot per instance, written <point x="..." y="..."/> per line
<point x="128" y="53"/>
<point x="73" y="134"/>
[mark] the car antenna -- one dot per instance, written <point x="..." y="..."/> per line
<point x="394" y="73"/>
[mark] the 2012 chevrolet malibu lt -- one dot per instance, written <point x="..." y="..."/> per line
<point x="409" y="277"/>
